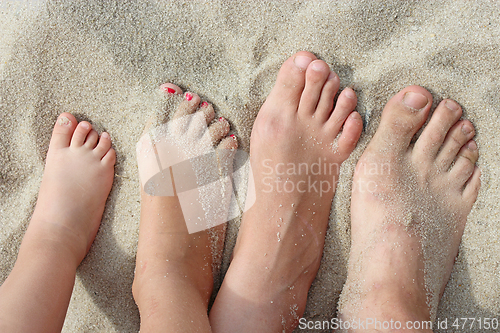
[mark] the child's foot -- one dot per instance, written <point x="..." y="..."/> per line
<point x="295" y="159"/>
<point x="174" y="273"/>
<point x="409" y="208"/>
<point x="76" y="182"/>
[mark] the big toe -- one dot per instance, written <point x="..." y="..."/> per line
<point x="290" y="81"/>
<point x="403" y="116"/>
<point x="63" y="130"/>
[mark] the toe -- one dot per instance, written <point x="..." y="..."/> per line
<point x="103" y="146"/>
<point x="444" y="117"/>
<point x="80" y="134"/>
<point x="464" y="164"/>
<point x="109" y="158"/>
<point x="290" y="82"/>
<point x="91" y="140"/>
<point x="208" y="111"/>
<point x="458" y="136"/>
<point x="346" y="103"/>
<point x="402" y="117"/>
<point x="350" y="135"/>
<point x="230" y="142"/>
<point x="325" y="104"/>
<point x="63" y="131"/>
<point x="188" y="105"/>
<point x="170" y="88"/>
<point x="472" y="186"/>
<point x="219" y="129"/>
<point x="316" y="75"/>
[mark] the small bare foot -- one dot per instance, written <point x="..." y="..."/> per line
<point x="174" y="270"/>
<point x="76" y="182"/>
<point x="296" y="153"/>
<point x="409" y="208"/>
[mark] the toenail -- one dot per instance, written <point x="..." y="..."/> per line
<point x="64" y="121"/>
<point x="302" y="61"/>
<point x="204" y="104"/>
<point x="233" y="136"/>
<point x="318" y="66"/>
<point x="85" y="125"/>
<point x="415" y="100"/>
<point x="105" y="135"/>
<point x="169" y="90"/>
<point x="349" y="93"/>
<point x="221" y="119"/>
<point x="451" y="105"/>
<point x="333" y="76"/>
<point x="189" y="96"/>
<point x="466" y="129"/>
<point x="472" y="145"/>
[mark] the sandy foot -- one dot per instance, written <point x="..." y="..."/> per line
<point x="299" y="140"/>
<point x="174" y="271"/>
<point x="409" y="208"/>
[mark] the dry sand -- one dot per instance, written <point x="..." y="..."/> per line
<point x="102" y="60"/>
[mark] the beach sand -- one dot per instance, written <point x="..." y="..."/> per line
<point x="103" y="60"/>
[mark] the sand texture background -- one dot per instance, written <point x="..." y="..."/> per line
<point x="103" y="60"/>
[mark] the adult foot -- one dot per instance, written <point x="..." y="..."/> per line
<point x="296" y="152"/>
<point x="174" y="270"/>
<point x="76" y="182"/>
<point x="409" y="208"/>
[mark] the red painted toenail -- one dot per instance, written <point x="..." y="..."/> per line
<point x="233" y="136"/>
<point x="221" y="119"/>
<point x="189" y="96"/>
<point x="170" y="90"/>
<point x="204" y="104"/>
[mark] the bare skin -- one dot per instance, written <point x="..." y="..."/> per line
<point x="409" y="208"/>
<point x="174" y="279"/>
<point x="281" y="238"/>
<point x="76" y="182"/>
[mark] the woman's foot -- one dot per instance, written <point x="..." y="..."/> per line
<point x="174" y="271"/>
<point x="409" y="208"/>
<point x="296" y="153"/>
<point x="77" y="179"/>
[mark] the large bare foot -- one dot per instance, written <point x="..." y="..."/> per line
<point x="295" y="159"/>
<point x="409" y="208"/>
<point x="76" y="182"/>
<point x="174" y="271"/>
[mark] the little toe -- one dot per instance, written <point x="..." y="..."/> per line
<point x="402" y="117"/>
<point x="325" y="104"/>
<point x="219" y="129"/>
<point x="91" y="140"/>
<point x="229" y="142"/>
<point x="103" y="146"/>
<point x="316" y="75"/>
<point x="80" y="134"/>
<point x="465" y="163"/>
<point x="170" y="88"/>
<point x="457" y="136"/>
<point x="346" y="103"/>
<point x="63" y="130"/>
<point x="472" y="186"/>
<point x="109" y="158"/>
<point x="290" y="83"/>
<point x="444" y="117"/>
<point x="350" y="135"/>
<point x="188" y="105"/>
